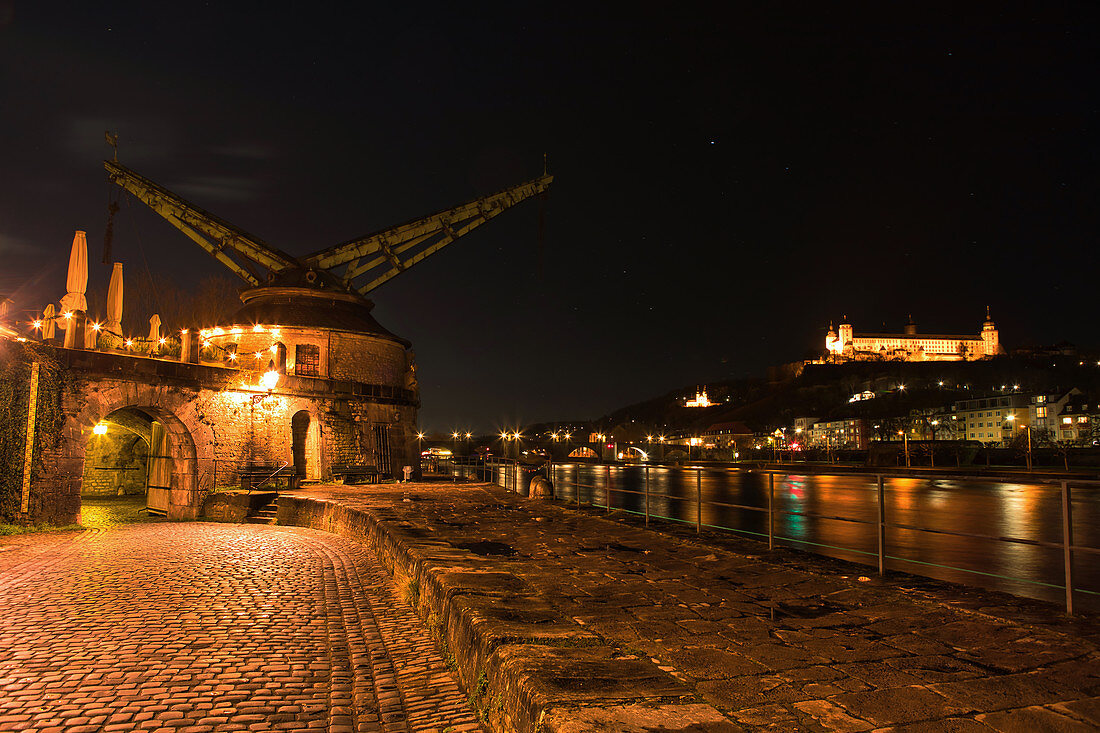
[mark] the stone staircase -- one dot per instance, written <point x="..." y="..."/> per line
<point x="265" y="514"/>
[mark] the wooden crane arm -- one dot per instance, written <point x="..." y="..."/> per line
<point x="400" y="247"/>
<point x="208" y="231"/>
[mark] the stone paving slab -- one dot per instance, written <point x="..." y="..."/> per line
<point x="707" y="626"/>
<point x="210" y="627"/>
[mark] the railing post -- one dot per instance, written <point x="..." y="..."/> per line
<point x="699" y="501"/>
<point x="607" y="489"/>
<point x="647" y="496"/>
<point x="881" y="526"/>
<point x="1067" y="543"/>
<point x="577" y="483"/>
<point x="771" y="511"/>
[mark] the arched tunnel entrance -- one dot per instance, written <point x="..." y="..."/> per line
<point x="141" y="451"/>
<point x="305" y="445"/>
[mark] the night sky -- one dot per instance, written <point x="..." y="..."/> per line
<point x="727" y="179"/>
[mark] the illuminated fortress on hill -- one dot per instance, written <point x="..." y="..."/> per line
<point x="844" y="345"/>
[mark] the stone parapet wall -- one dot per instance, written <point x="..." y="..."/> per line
<point x="507" y="643"/>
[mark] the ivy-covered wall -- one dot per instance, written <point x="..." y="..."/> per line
<point x="16" y="358"/>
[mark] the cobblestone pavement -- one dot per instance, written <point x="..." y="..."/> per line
<point x="212" y="627"/>
<point x="779" y="641"/>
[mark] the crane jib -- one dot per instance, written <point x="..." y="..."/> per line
<point x="371" y="260"/>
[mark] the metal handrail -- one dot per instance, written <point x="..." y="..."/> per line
<point x="1067" y="545"/>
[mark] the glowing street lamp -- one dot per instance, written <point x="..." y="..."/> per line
<point x="905" y="441"/>
<point x="100" y="428"/>
<point x="1012" y="421"/>
<point x="270" y="379"/>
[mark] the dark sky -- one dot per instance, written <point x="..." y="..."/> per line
<point x="728" y="178"/>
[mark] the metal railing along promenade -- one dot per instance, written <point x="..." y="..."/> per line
<point x="507" y="473"/>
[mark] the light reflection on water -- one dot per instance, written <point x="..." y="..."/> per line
<point x="1023" y="511"/>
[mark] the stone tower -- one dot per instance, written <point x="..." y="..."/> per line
<point x="845" y="334"/>
<point x="989" y="335"/>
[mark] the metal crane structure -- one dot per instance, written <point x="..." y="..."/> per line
<point x="356" y="267"/>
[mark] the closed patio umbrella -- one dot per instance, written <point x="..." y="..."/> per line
<point x="47" y="322"/>
<point x="76" y="282"/>
<point x="114" y="301"/>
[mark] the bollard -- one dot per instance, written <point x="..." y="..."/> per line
<point x="881" y="526"/>
<point x="1067" y="544"/>
<point x="771" y="511"/>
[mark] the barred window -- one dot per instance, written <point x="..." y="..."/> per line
<point x="307" y="360"/>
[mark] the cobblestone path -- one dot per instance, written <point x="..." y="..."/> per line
<point x="212" y="627"/>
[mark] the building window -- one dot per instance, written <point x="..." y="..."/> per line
<point x="1067" y="420"/>
<point x="1041" y="411"/>
<point x="307" y="360"/>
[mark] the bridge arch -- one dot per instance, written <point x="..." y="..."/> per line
<point x="170" y="447"/>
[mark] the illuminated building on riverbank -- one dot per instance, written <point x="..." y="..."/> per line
<point x="845" y="345"/>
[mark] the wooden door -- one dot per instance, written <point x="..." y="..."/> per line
<point x="160" y="470"/>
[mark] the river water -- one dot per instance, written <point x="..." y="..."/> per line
<point x="1031" y="512"/>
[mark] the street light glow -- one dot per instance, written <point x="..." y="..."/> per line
<point x="270" y="379"/>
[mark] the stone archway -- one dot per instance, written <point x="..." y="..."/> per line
<point x="167" y="475"/>
<point x="305" y="440"/>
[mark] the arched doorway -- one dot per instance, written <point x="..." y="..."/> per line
<point x="142" y="450"/>
<point x="299" y="436"/>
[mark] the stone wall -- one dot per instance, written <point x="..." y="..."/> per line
<point x="366" y="359"/>
<point x="115" y="465"/>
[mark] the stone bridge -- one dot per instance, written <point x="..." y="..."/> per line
<point x="176" y="430"/>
